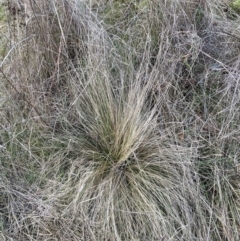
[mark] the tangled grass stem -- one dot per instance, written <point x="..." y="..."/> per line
<point x="138" y="137"/>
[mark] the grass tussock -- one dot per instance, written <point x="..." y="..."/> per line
<point x="119" y="120"/>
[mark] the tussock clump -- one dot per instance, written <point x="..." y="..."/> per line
<point x="119" y="121"/>
<point x="125" y="173"/>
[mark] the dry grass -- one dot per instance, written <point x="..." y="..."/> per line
<point x="120" y="121"/>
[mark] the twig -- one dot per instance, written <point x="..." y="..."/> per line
<point x="8" y="80"/>
<point x="13" y="47"/>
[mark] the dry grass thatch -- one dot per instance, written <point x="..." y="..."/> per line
<point x="119" y="120"/>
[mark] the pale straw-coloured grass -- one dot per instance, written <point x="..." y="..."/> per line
<point x="120" y="121"/>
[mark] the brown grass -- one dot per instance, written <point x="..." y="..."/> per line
<point x="119" y="121"/>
